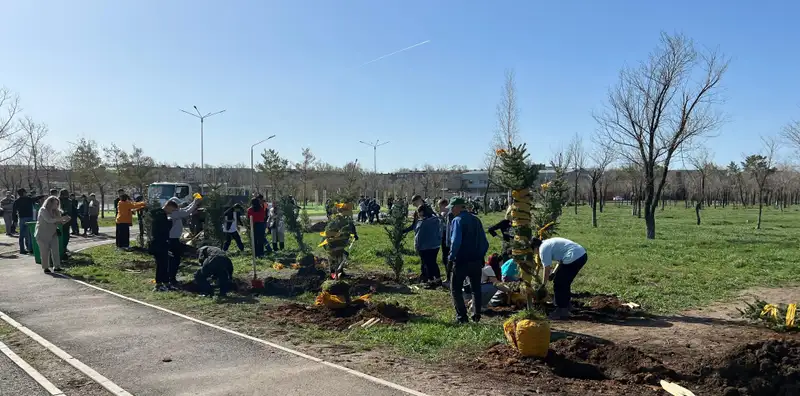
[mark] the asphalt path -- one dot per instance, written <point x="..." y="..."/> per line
<point x="149" y="352"/>
<point x="15" y="382"/>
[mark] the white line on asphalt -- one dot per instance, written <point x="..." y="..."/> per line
<point x="94" y="375"/>
<point x="258" y="340"/>
<point x="38" y="377"/>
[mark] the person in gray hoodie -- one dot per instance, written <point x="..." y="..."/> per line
<point x="175" y="245"/>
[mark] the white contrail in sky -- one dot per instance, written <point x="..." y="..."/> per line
<point x="395" y="53"/>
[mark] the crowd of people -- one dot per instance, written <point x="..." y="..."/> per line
<point x="454" y="230"/>
<point x="460" y="235"/>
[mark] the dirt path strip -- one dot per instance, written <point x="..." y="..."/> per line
<point x="32" y="372"/>
<point x="64" y="378"/>
<point x="77" y="364"/>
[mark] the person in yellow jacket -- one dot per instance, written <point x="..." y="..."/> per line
<point x="125" y="209"/>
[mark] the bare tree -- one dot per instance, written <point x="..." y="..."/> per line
<point x="33" y="134"/>
<point x="306" y="169"/>
<point x="10" y="142"/>
<point x="506" y="134"/>
<point x="48" y="158"/>
<point x="659" y="106"/>
<point x="138" y="169"/>
<point x="89" y="167"/>
<point x="602" y="156"/>
<point x="701" y="161"/>
<point x="578" y="160"/>
<point x="791" y="133"/>
<point x="761" y="167"/>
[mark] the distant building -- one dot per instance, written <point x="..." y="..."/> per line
<point x="474" y="182"/>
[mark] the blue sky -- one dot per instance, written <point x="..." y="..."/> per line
<point x="118" y="72"/>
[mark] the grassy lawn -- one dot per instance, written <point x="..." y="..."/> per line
<point x="687" y="266"/>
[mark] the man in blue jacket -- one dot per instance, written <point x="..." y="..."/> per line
<point x="468" y="247"/>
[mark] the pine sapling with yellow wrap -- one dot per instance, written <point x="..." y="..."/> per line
<point x="337" y="235"/>
<point x="518" y="174"/>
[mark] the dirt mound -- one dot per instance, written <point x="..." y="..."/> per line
<point x="765" y="368"/>
<point x="318" y="226"/>
<point x="602" y="308"/>
<point x="582" y="359"/>
<point x="380" y="283"/>
<point x="295" y="285"/>
<point x="338" y="319"/>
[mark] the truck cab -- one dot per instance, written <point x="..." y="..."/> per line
<point x="164" y="191"/>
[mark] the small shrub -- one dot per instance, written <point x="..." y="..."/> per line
<point x="397" y="221"/>
<point x="305" y="220"/>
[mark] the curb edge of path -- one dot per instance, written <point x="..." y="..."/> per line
<point x="82" y="367"/>
<point x="356" y="373"/>
<point x="48" y="386"/>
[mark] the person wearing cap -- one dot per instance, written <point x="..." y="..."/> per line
<point x="468" y="247"/>
<point x="447" y="218"/>
<point x="94" y="214"/>
<point x="177" y="217"/>
<point x="571" y="258"/>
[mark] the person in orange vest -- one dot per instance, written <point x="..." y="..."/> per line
<point x="125" y="209"/>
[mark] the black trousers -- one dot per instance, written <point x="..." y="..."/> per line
<point x="93" y="225"/>
<point x="445" y="262"/>
<point x="161" y="255"/>
<point x="428" y="265"/>
<point x="123" y="235"/>
<point x="175" y="254"/>
<point x="562" y="283"/>
<point x="463" y="270"/>
<point x="232" y="236"/>
<point x="73" y="224"/>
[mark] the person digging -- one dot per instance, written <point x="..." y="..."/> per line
<point x="214" y="264"/>
<point x="571" y="258"/>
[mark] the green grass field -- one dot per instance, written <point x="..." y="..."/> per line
<point x="687" y="266"/>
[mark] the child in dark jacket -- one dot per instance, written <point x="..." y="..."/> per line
<point x="214" y="264"/>
<point x="159" y="243"/>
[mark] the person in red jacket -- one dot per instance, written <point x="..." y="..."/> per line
<point x="257" y="213"/>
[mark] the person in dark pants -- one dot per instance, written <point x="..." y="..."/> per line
<point x="177" y="218"/>
<point x="83" y="214"/>
<point x="258" y="215"/>
<point x="24" y="209"/>
<point x="67" y="210"/>
<point x="468" y="247"/>
<point x="230" y="226"/>
<point x="159" y="241"/>
<point x="213" y="264"/>
<point x="571" y="258"/>
<point x="73" y="213"/>
<point x="125" y="209"/>
<point x="427" y="234"/>
<point x="94" y="213"/>
<point x="446" y="218"/>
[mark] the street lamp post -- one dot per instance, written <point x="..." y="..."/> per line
<point x="374" y="146"/>
<point x="252" y="167"/>
<point x="202" y="159"/>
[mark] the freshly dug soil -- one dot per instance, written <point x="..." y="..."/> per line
<point x="376" y="282"/>
<point x="295" y="285"/>
<point x="339" y="319"/>
<point x="765" y="368"/>
<point x="584" y="359"/>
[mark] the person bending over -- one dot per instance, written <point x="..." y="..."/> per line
<point x="571" y="258"/>
<point x="214" y="264"/>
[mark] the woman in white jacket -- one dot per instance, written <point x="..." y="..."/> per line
<point x="48" y="223"/>
<point x="275" y="224"/>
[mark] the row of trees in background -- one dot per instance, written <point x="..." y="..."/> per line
<point x="656" y="117"/>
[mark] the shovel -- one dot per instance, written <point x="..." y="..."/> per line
<point x="255" y="283"/>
